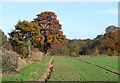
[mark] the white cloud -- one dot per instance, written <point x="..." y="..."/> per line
<point x="113" y="11"/>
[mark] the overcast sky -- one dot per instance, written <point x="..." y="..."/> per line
<point x="80" y="20"/>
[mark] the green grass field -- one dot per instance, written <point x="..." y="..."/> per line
<point x="73" y="69"/>
<point x="30" y="72"/>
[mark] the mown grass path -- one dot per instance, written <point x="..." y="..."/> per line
<point x="31" y="72"/>
<point x="70" y="69"/>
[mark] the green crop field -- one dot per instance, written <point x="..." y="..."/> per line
<point x="73" y="69"/>
<point x="31" y="72"/>
<point x="106" y="62"/>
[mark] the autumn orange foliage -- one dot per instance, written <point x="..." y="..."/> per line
<point x="110" y="40"/>
<point x="50" y="30"/>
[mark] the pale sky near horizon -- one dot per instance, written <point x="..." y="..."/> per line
<point x="80" y="20"/>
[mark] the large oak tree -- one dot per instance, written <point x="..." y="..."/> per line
<point x="50" y="29"/>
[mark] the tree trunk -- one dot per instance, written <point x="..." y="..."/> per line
<point x="45" y="46"/>
<point x="45" y="50"/>
<point x="28" y="47"/>
<point x="28" y="51"/>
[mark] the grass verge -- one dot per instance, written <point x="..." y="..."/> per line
<point x="31" y="72"/>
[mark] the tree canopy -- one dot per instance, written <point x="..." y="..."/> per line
<point x="24" y="34"/>
<point x="43" y="32"/>
<point x="110" y="40"/>
<point x="51" y="30"/>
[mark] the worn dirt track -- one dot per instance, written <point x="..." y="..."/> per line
<point x="99" y="66"/>
<point x="48" y="72"/>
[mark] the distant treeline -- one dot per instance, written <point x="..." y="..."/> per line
<point x="106" y="44"/>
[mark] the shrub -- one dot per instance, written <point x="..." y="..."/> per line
<point x="9" y="61"/>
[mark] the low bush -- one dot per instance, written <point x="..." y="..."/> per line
<point x="9" y="62"/>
